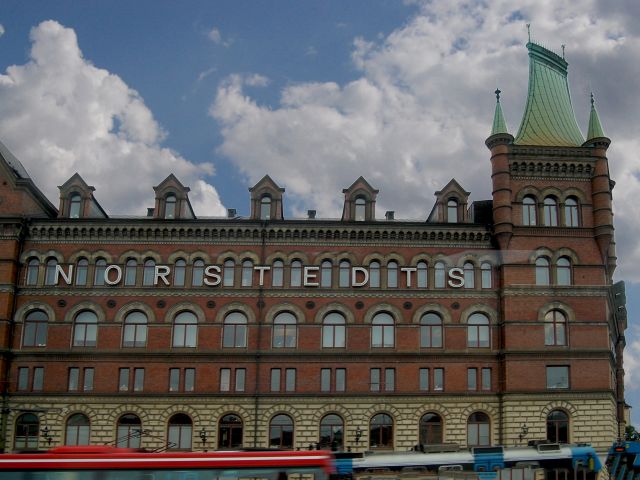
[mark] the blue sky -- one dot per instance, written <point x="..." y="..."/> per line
<point x="313" y="93"/>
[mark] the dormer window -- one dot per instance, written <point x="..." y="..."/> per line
<point x="75" y="202"/>
<point x="361" y="209"/>
<point x="265" y="207"/>
<point x="452" y="211"/>
<point x="170" y="206"/>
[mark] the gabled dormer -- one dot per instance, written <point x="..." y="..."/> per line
<point x="451" y="204"/>
<point x="172" y="200"/>
<point x="359" y="202"/>
<point x="77" y="200"/>
<point x="266" y="200"/>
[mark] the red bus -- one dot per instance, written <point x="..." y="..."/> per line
<point x="110" y="463"/>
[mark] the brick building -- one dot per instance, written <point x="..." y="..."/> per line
<point x="492" y="322"/>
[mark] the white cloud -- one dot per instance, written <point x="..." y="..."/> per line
<point x="216" y="37"/>
<point x="59" y="114"/>
<point x="1" y="30"/>
<point x="423" y="105"/>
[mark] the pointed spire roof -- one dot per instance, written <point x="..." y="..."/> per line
<point x="499" y="124"/>
<point x="548" y="119"/>
<point x="595" y="129"/>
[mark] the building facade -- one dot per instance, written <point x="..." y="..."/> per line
<point x="492" y="322"/>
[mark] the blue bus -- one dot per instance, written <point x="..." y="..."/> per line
<point x="623" y="461"/>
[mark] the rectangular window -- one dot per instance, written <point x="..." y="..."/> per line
<point x="174" y="379"/>
<point x="375" y="379"/>
<point x="341" y="379"/>
<point x="424" y="379"/>
<point x="88" y="379"/>
<point x="23" y="379"/>
<point x="290" y="380"/>
<point x="558" y="377"/>
<point x="438" y="379"/>
<point x="486" y="379"/>
<point x="275" y="379"/>
<point x="472" y="378"/>
<point x="189" y="379"/>
<point x="325" y="379"/>
<point x="389" y="379"/>
<point x="138" y="379"/>
<point x="225" y="379"/>
<point x="74" y="378"/>
<point x="38" y="378"/>
<point x="241" y="374"/>
<point x="123" y="380"/>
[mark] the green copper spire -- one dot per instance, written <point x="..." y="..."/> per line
<point x="499" y="125"/>
<point x="548" y="118"/>
<point x="595" y="129"/>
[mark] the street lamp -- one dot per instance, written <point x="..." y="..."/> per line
<point x="203" y="437"/>
<point x="46" y="435"/>
<point x="358" y="435"/>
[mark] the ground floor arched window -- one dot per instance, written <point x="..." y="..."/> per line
<point x="78" y="430"/>
<point x="281" y="432"/>
<point x="27" y="431"/>
<point x="381" y="431"/>
<point x="478" y="430"/>
<point x="180" y="432"/>
<point x="332" y="432"/>
<point x="431" y="429"/>
<point x="230" y="431"/>
<point x="129" y="431"/>
<point x="558" y="427"/>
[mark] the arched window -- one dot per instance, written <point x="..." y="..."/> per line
<point x="85" y="329"/>
<point x="234" y="332"/>
<point x="247" y="273"/>
<point x="170" y="206"/>
<point x="229" y="273"/>
<point x="469" y="275"/>
<point x="135" y="330"/>
<point x="550" y="212"/>
<point x="452" y="211"/>
<point x="485" y="278"/>
<point x="149" y="272"/>
<point x="75" y="202"/>
<point x="284" y="330"/>
<point x="439" y="274"/>
<point x="50" y="271"/>
<point x="478" y="331"/>
<point x="230" y="432"/>
<point x="421" y="275"/>
<point x="431" y="330"/>
<point x="381" y="431"/>
<point x="296" y="273"/>
<point x="197" y="273"/>
<point x="325" y="273"/>
<point x="392" y="274"/>
<point x="98" y="274"/>
<point x="557" y="427"/>
<point x="563" y="271"/>
<point x="265" y="207"/>
<point x="27" y="431"/>
<point x="431" y="429"/>
<point x="33" y="268"/>
<point x="361" y="208"/>
<point x="543" y="276"/>
<point x="78" y="430"/>
<point x="345" y="273"/>
<point x="478" y="430"/>
<point x="555" y="328"/>
<point x="281" y="432"/>
<point x="571" y="213"/>
<point x="180" y="432"/>
<point x="82" y="270"/>
<point x="331" y="432"/>
<point x="130" y="271"/>
<point x="129" y="431"/>
<point x="374" y="274"/>
<point x="383" y="330"/>
<point x="179" y="272"/>
<point x="334" y="331"/>
<point x="529" y="214"/>
<point x="35" y="329"/>
<point x="185" y="330"/>
<point x="277" y="273"/>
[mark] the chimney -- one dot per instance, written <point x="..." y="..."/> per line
<point x="150" y="212"/>
<point x="231" y="213"/>
<point x="311" y="214"/>
<point x="389" y="215"/>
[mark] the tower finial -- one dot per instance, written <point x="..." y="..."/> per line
<point x="563" y="45"/>
<point x="498" y="92"/>
<point x="592" y="100"/>
<point x="529" y="31"/>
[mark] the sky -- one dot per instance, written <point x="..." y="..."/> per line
<point x="312" y="93"/>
